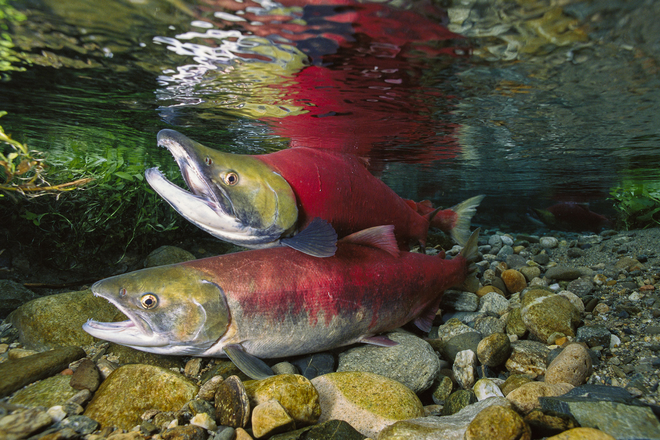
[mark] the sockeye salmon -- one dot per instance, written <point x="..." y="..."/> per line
<point x="271" y="303"/>
<point x="298" y="197"/>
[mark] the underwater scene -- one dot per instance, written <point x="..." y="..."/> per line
<point x="396" y="219"/>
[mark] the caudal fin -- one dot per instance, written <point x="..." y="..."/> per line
<point x="464" y="213"/>
<point x="470" y="251"/>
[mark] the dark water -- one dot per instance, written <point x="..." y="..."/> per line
<point x="528" y="102"/>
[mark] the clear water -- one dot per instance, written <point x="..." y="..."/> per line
<point x="529" y="102"/>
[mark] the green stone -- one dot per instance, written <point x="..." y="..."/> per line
<point x="457" y="401"/>
<point x="132" y="389"/>
<point x="49" y="392"/>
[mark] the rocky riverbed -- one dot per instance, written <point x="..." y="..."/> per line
<point x="557" y="337"/>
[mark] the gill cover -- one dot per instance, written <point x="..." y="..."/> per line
<point x="171" y="310"/>
<point x="252" y="203"/>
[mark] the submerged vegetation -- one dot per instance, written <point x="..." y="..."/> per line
<point x="638" y="203"/>
<point x="79" y="199"/>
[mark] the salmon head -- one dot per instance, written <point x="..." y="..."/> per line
<point x="171" y="310"/>
<point x="234" y="197"/>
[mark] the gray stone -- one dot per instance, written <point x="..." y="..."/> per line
<point x="451" y="427"/>
<point x="493" y="302"/>
<point x="463" y="341"/>
<point x="515" y="261"/>
<point x="563" y="273"/>
<point x="167" y="255"/>
<point x="317" y="364"/>
<point x="330" y="430"/>
<point x="86" y="376"/>
<point x="81" y="424"/>
<point x="620" y="420"/>
<point x="17" y="373"/>
<point x="549" y="242"/>
<point x="459" y="301"/>
<point x="12" y="296"/>
<point x="488" y="324"/>
<point x="594" y="335"/>
<point x="582" y="286"/>
<point x="413" y="362"/>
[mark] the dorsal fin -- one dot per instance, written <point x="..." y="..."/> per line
<point x="379" y="237"/>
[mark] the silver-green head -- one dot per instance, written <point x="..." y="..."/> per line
<point x="234" y="197"/>
<point x="171" y="309"/>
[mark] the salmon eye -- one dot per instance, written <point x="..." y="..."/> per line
<point x="208" y="161"/>
<point x="231" y="178"/>
<point x="149" y="301"/>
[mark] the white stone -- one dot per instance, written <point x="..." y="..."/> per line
<point x="614" y="341"/>
<point x="574" y="299"/>
<point x="464" y="368"/>
<point x="549" y="242"/>
<point x="56" y="413"/>
<point x="485" y="388"/>
<point x="205" y="421"/>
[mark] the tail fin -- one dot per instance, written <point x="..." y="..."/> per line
<point x="470" y="251"/>
<point x="464" y="213"/>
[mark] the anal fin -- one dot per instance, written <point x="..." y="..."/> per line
<point x="318" y="239"/>
<point x="424" y="321"/>
<point x="248" y="364"/>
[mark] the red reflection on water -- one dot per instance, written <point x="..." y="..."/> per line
<point x="365" y="91"/>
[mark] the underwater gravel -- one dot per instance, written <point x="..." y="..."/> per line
<point x="619" y="286"/>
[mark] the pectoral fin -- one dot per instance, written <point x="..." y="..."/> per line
<point x="248" y="364"/>
<point x="318" y="239"/>
<point x="380" y="340"/>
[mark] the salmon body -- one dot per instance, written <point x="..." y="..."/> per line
<point x="279" y="302"/>
<point x="304" y="198"/>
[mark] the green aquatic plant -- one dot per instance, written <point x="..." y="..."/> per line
<point x="638" y="203"/>
<point x="111" y="209"/>
<point x="8" y="56"/>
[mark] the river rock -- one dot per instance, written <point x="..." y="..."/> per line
<point x="494" y="350"/>
<point x="514" y="280"/>
<point x="496" y="422"/>
<point x="494" y="303"/>
<point x="441" y="389"/>
<point x="486" y="388"/>
<point x="514" y="324"/>
<point x="528" y="358"/>
<point x="488" y="324"/>
<point x="547" y="423"/>
<point x="451" y="427"/>
<point x="270" y="418"/>
<point x="132" y="389"/>
<point x="572" y="365"/>
<point x="594" y="335"/>
<point x="330" y="430"/>
<point x="12" y="296"/>
<point x="22" y="424"/>
<point x="86" y="376"/>
<point x="549" y="242"/>
<point x="545" y="313"/>
<point x="457" y="401"/>
<point x="232" y="404"/>
<point x="294" y="392"/>
<point x="464" y="368"/>
<point x="514" y="381"/>
<point x="563" y="273"/>
<point x="582" y="434"/>
<point x="366" y="401"/>
<point x="530" y="272"/>
<point x="56" y="320"/>
<point x="459" y="301"/>
<point x="487" y="289"/>
<point x="167" y="255"/>
<point x="581" y="286"/>
<point x="54" y="390"/>
<point x="314" y="365"/>
<point x="464" y="341"/>
<point x="15" y="374"/>
<point x="185" y="432"/>
<point x="451" y="328"/>
<point x="610" y="409"/>
<point x="573" y="299"/>
<point x="412" y="362"/>
<point x="526" y="397"/>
